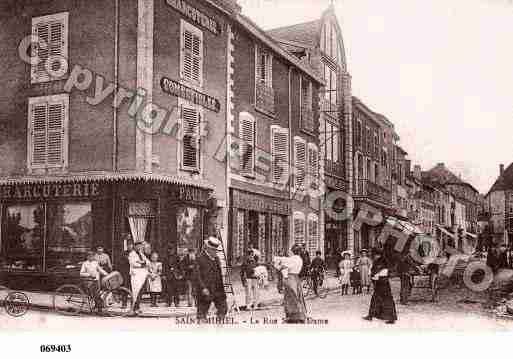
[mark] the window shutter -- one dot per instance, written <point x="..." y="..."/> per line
<point x="38" y="123"/>
<point x="300" y="163"/>
<point x="280" y="150"/>
<point x="313" y="233"/>
<point x="48" y="121"/>
<point x="247" y="144"/>
<point x="52" y="30"/>
<point x="259" y="64"/>
<point x="299" y="229"/>
<point x="55" y="134"/>
<point x="190" y="138"/>
<point x="192" y="54"/>
<point x="269" y="70"/>
<point x="42" y="30"/>
<point x="313" y="165"/>
<point x="187" y="55"/>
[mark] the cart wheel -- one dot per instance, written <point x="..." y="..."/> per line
<point x="69" y="299"/>
<point x="117" y="302"/>
<point x="323" y="288"/>
<point x="434" y="288"/>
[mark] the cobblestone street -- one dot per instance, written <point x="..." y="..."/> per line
<point x="457" y="309"/>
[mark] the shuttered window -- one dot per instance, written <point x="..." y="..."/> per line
<point x="312" y="243"/>
<point x="299" y="227"/>
<point x="191" y="119"/>
<point x="48" y="132"/>
<point x="299" y="163"/>
<point x="52" y="31"/>
<point x="313" y="165"/>
<point x="247" y="143"/>
<point x="191" y="59"/>
<point x="264" y="66"/>
<point x="280" y="154"/>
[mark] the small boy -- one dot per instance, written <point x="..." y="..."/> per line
<point x="356" y="280"/>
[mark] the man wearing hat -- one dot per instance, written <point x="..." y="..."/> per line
<point x="208" y="281"/>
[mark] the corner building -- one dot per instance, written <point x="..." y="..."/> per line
<point x="79" y="170"/>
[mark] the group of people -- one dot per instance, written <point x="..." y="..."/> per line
<point x="198" y="278"/>
<point x="144" y="272"/>
<point x="375" y="271"/>
<point x="355" y="275"/>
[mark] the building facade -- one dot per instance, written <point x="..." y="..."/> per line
<point x="320" y="44"/>
<point x="374" y="142"/>
<point x="111" y="132"/>
<point x="274" y="172"/>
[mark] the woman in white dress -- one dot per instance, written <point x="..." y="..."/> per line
<point x="345" y="266"/>
<point x="138" y="272"/>
<point x="293" y="300"/>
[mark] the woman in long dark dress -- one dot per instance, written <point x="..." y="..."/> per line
<point x="382" y="304"/>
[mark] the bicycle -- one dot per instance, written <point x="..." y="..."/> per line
<point x="322" y="284"/>
<point x="110" y="299"/>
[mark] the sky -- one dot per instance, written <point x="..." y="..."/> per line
<point x="440" y="70"/>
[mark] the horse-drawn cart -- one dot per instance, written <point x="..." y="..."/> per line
<point x="413" y="258"/>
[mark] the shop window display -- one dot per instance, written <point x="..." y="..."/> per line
<point x="70" y="235"/>
<point x="23" y="246"/>
<point x="189" y="227"/>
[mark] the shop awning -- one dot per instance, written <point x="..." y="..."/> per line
<point x="106" y="177"/>
<point x="404" y="225"/>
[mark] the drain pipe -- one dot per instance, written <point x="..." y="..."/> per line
<point x="116" y="86"/>
<point x="115" y="129"/>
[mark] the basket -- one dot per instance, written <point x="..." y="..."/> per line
<point x="112" y="281"/>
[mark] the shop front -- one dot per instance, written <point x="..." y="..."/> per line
<point x="259" y="221"/>
<point x="48" y="227"/>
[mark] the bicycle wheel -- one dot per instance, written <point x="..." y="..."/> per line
<point x="307" y="287"/>
<point x="69" y="299"/>
<point x="117" y="302"/>
<point x="323" y="289"/>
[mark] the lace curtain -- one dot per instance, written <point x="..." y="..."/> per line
<point x="139" y="214"/>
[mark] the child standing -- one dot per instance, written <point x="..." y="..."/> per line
<point x="356" y="280"/>
<point x="155" y="280"/>
<point x="365" y="264"/>
<point x="345" y="266"/>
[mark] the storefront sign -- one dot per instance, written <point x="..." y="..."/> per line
<point x="195" y="15"/>
<point x="190" y="194"/>
<point x="259" y="204"/>
<point x="175" y="88"/>
<point x="29" y="192"/>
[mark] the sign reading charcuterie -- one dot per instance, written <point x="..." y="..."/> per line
<point x="195" y="15"/>
<point x="30" y="192"/>
<point x="174" y="88"/>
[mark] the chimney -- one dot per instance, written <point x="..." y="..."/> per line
<point x="501" y="169"/>
<point x="417" y="172"/>
<point x="441" y="164"/>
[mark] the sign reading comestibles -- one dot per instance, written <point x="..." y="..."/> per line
<point x="195" y="15"/>
<point x="174" y="88"/>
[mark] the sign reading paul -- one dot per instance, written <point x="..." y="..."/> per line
<point x="195" y="15"/>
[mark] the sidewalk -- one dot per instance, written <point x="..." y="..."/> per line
<point x="268" y="296"/>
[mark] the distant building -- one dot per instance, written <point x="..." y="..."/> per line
<point x="499" y="206"/>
